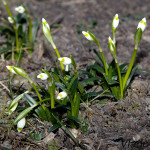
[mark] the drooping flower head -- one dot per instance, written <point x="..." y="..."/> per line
<point x="62" y="95"/>
<point x="87" y="35"/>
<point x="10" y="68"/>
<point x="42" y="76"/>
<point x="21" y="124"/>
<point x="142" y="24"/>
<point x="10" y="19"/>
<point x="65" y="60"/>
<point x="115" y="21"/>
<point x="20" y="9"/>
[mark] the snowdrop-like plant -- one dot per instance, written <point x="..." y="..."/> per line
<point x="21" y="124"/>
<point x="42" y="76"/>
<point x="116" y="78"/>
<point x="20" y="9"/>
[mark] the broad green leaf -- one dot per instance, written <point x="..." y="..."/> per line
<point x="54" y="127"/>
<point x="91" y="81"/>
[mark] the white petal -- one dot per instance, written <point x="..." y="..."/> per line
<point x="86" y="34"/>
<point x="42" y="76"/>
<point x="142" y="24"/>
<point x="21" y="124"/>
<point x="44" y="22"/>
<point x="115" y="21"/>
<point x="10" y="69"/>
<point x="20" y="9"/>
<point x="62" y="95"/>
<point x="65" y="60"/>
<point x="10" y="20"/>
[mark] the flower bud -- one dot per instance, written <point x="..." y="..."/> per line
<point x="10" y="19"/>
<point x="111" y="44"/>
<point x="20" y="9"/>
<point x="13" y="109"/>
<point x="87" y="35"/>
<point x="115" y="21"/>
<point x="21" y="124"/>
<point x="142" y="24"/>
<point x="42" y="76"/>
<point x="10" y="68"/>
<point x="62" y="95"/>
<point x="46" y="31"/>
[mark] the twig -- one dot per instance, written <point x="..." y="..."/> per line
<point x="5" y="87"/>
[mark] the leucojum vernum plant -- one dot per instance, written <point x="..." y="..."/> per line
<point x="113" y="77"/>
<point x="19" y="31"/>
<point x="59" y="102"/>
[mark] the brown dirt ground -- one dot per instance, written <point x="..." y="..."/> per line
<point x="119" y="125"/>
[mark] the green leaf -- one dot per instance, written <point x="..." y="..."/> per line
<point x="97" y="68"/>
<point x="54" y="127"/>
<point x="5" y="49"/>
<point x="74" y="64"/>
<point x="24" y="113"/>
<point x="36" y="136"/>
<point x="143" y="70"/>
<point x="72" y="118"/>
<point x="76" y="105"/>
<point x="134" y="69"/>
<point x="91" y="81"/>
<point x="16" y="100"/>
<point x="35" y="29"/>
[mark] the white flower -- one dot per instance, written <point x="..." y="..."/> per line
<point x="10" y="19"/>
<point x="110" y="40"/>
<point x="20" y="9"/>
<point x="13" y="109"/>
<point x="21" y="124"/>
<point x="65" y="60"/>
<point x="45" y="25"/>
<point x="115" y="22"/>
<point x="10" y="68"/>
<point x="86" y="34"/>
<point x="62" y="95"/>
<point x="42" y="76"/>
<point x="142" y="24"/>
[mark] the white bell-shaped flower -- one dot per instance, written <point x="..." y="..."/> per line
<point x="65" y="60"/>
<point x="142" y="24"/>
<point x="21" y="124"/>
<point x="20" y="9"/>
<point x="115" y="22"/>
<point x="61" y="95"/>
<point x="45" y="25"/>
<point x="10" y="68"/>
<point x="87" y="35"/>
<point x="42" y="76"/>
<point x="10" y="19"/>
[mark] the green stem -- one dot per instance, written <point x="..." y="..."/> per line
<point x="129" y="68"/>
<point x="114" y="40"/>
<point x="58" y="55"/>
<point x="30" y="27"/>
<point x="104" y="61"/>
<point x="120" y="79"/>
<point x="38" y="94"/>
<point x="7" y="8"/>
<point x="17" y="39"/>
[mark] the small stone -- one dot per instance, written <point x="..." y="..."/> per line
<point x="136" y="138"/>
<point x="49" y="138"/>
